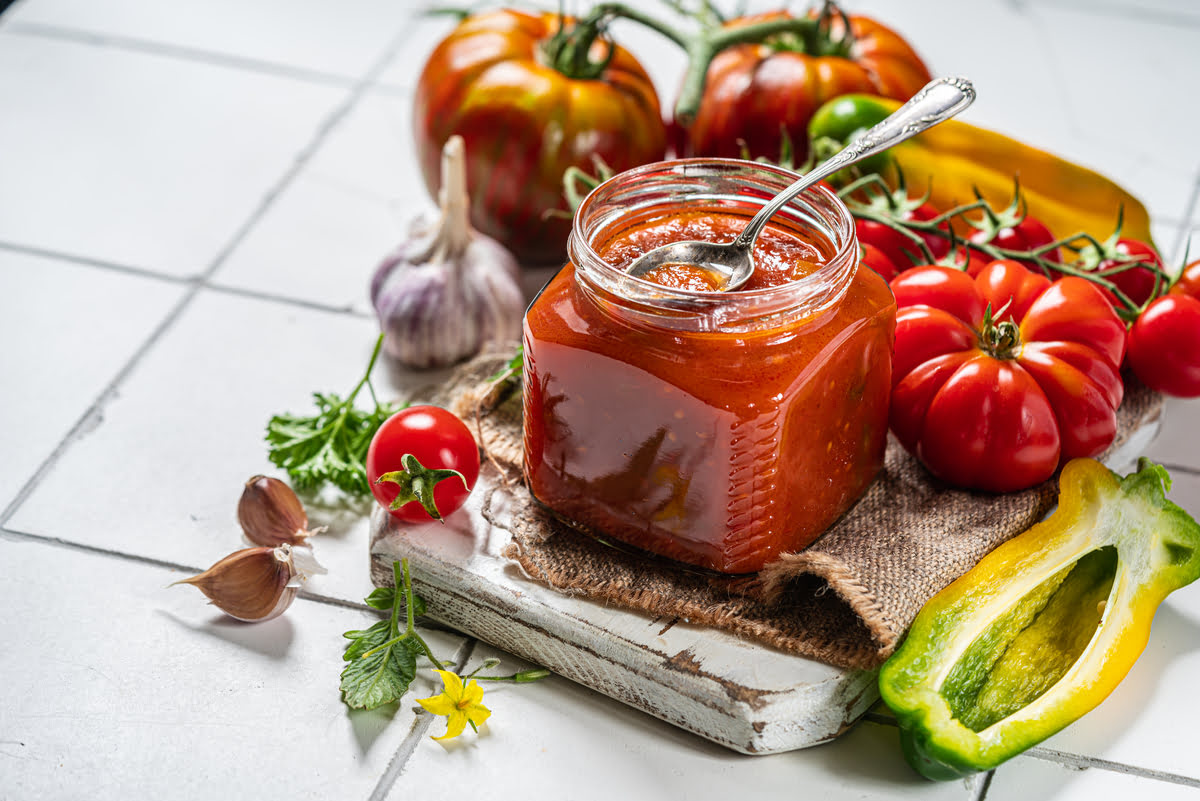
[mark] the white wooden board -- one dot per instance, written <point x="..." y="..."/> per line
<point x="741" y="694"/>
<point x="738" y="693"/>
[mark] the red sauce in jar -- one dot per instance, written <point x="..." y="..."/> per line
<point x="720" y="449"/>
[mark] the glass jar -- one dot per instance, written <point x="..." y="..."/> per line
<point x="718" y="429"/>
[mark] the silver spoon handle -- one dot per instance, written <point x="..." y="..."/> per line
<point x="938" y="101"/>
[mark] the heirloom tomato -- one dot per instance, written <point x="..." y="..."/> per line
<point x="446" y="468"/>
<point x="532" y="95"/>
<point x="1139" y="284"/>
<point x="1164" y="346"/>
<point x="758" y="93"/>
<point x="998" y="379"/>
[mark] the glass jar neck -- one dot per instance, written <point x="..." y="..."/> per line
<point x="660" y="191"/>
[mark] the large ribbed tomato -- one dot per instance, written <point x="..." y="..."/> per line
<point x="528" y="111"/>
<point x="754" y="92"/>
<point x="1000" y="378"/>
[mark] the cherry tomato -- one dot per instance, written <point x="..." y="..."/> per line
<point x="1164" y="346"/>
<point x="1137" y="283"/>
<point x="998" y="401"/>
<point x="873" y="257"/>
<point x="439" y="441"/>
<point x="1026" y="233"/>
<point x="900" y="250"/>
<point x="1188" y="282"/>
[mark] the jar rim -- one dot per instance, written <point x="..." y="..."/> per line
<point x="804" y="296"/>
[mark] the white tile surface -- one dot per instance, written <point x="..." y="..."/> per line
<point x="149" y="135"/>
<point x="344" y="211"/>
<point x="556" y="740"/>
<point x="1025" y="778"/>
<point x="67" y="331"/>
<point x="343" y="38"/>
<point x="187" y="429"/>
<point x="154" y="162"/>
<point x="122" y="688"/>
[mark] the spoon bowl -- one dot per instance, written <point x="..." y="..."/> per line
<point x="731" y="264"/>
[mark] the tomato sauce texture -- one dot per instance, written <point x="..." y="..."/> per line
<point x="719" y="449"/>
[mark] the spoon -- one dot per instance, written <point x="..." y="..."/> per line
<point x="731" y="263"/>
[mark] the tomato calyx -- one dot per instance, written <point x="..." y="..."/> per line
<point x="1000" y="339"/>
<point x="569" y="49"/>
<point x="417" y="483"/>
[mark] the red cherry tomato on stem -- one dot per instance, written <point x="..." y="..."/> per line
<point x="1027" y="233"/>
<point x="1164" y="346"/>
<point x="899" y="249"/>
<point x="440" y="442"/>
<point x="1137" y="283"/>
<point x="873" y="257"/>
<point x="1188" y="282"/>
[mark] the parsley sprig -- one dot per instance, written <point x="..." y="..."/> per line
<point x="330" y="446"/>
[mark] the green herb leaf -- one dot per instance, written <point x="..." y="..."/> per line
<point x="382" y="661"/>
<point x="380" y="677"/>
<point x="330" y="446"/>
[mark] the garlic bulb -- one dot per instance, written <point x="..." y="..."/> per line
<point x="448" y="290"/>
<point x="254" y="584"/>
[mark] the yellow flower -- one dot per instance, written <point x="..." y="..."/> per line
<point x="461" y="705"/>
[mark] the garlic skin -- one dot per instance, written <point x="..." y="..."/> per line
<point x="271" y="515"/>
<point x="448" y="290"/>
<point x="253" y="585"/>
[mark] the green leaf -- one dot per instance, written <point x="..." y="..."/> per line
<point x="381" y="677"/>
<point x="364" y="641"/>
<point x="381" y="598"/>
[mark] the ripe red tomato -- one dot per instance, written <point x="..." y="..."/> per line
<point x="755" y="94"/>
<point x="525" y="119"/>
<point x="873" y="257"/>
<point x="1164" y="346"/>
<point x="1188" y="282"/>
<point x="440" y="442"/>
<point x="1137" y="283"/>
<point x="997" y="403"/>
<point x="899" y="249"/>
<point x="1023" y="233"/>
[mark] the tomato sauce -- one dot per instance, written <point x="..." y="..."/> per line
<point x="722" y="449"/>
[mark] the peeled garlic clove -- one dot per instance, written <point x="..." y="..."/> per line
<point x="271" y="514"/>
<point x="254" y="584"/>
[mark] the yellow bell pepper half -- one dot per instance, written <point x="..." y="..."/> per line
<point x="1044" y="627"/>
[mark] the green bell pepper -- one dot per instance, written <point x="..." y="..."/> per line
<point x="1044" y="627"/>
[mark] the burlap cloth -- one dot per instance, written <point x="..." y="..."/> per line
<point x="846" y="600"/>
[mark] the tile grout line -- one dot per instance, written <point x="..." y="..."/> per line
<point x="1080" y="761"/>
<point x="183" y="281"/>
<point x="94" y="411"/>
<point x="408" y="747"/>
<point x="176" y="51"/>
<point x="1068" y="759"/>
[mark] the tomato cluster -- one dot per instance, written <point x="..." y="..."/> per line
<point x="1007" y="367"/>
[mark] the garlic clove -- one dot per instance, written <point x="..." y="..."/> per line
<point x="271" y="514"/>
<point x="253" y="584"/>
